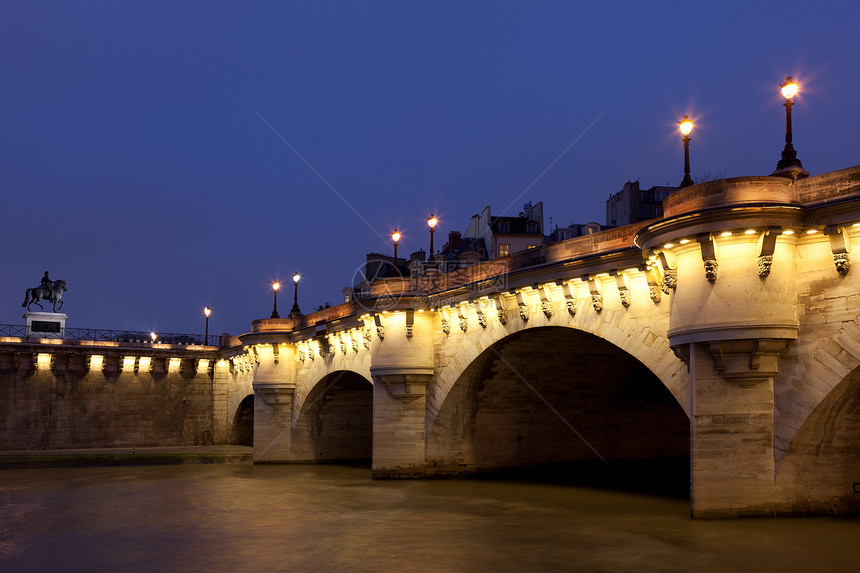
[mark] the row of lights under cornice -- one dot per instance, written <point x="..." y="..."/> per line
<point x="756" y="233"/>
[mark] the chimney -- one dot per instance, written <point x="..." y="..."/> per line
<point x="453" y="241"/>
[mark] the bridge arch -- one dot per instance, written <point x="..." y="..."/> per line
<point x="334" y="419"/>
<point x="559" y="397"/>
<point x="242" y="426"/>
<point x="640" y="335"/>
<point x="824" y="456"/>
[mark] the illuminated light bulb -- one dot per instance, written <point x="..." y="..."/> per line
<point x="856" y="225"/>
<point x="789" y="88"/>
<point x="686" y="125"/>
<point x="726" y="234"/>
<point x="684" y="241"/>
<point x="788" y="232"/>
<point x="276" y="286"/>
<point x="811" y="231"/>
<point x="750" y="232"/>
<point x="668" y="245"/>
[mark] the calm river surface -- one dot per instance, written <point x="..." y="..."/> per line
<point x="331" y="518"/>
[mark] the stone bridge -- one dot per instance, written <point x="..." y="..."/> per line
<point x="725" y="335"/>
<point x="719" y="344"/>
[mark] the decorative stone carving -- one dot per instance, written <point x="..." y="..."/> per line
<point x="367" y="337"/>
<point x="409" y="330"/>
<point x="546" y="307"/>
<point x="353" y="343"/>
<point x="501" y="310"/>
<point x="464" y="324"/>
<point x="670" y="280"/>
<point x="597" y="302"/>
<point x="569" y="293"/>
<point x="522" y="303"/>
<point x="842" y="262"/>
<point x="342" y="346"/>
<point x="302" y="355"/>
<point x="764" y="263"/>
<point x="380" y="328"/>
<point x="446" y="326"/>
<point x="625" y="298"/>
<point x="482" y="320"/>
<point x="711" y="268"/>
<point x="655" y="292"/>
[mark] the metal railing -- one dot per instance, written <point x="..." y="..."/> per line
<point x="127" y="336"/>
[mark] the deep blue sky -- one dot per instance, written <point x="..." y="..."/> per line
<point x="137" y="161"/>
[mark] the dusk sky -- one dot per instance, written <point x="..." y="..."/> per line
<point x="165" y="156"/>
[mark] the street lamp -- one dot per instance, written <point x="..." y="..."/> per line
<point x="789" y="155"/>
<point x="206" y="312"/>
<point x="431" y="222"/>
<point x="295" y="310"/>
<point x="395" y="236"/>
<point x="686" y="127"/>
<point x="275" y="286"/>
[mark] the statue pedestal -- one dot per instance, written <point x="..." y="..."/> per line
<point x="46" y="324"/>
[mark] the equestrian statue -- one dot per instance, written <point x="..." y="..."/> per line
<point x="51" y="291"/>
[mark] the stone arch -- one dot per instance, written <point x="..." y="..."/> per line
<point x="334" y="421"/>
<point x="817" y="370"/>
<point x="242" y="426"/>
<point x="643" y="337"/>
<point x="822" y="466"/>
<point x="555" y="397"/>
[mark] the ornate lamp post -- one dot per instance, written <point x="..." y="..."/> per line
<point x="275" y="286"/>
<point x="295" y="310"/>
<point x="431" y="222"/>
<point x="686" y="127"/>
<point x="395" y="236"/>
<point x="789" y="155"/>
<point x="206" y="312"/>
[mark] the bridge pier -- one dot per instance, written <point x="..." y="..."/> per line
<point x="402" y="363"/>
<point x="731" y="436"/>
<point x="399" y="421"/>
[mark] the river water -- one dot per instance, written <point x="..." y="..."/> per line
<point x="243" y="517"/>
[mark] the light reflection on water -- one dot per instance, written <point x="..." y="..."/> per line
<point x="332" y="518"/>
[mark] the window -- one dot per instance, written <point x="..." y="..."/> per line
<point x="504" y="250"/>
<point x="504" y="227"/>
<point x="531" y="227"/>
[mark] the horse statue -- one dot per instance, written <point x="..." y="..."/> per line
<point x="53" y="294"/>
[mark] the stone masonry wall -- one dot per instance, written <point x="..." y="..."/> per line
<point x="41" y="408"/>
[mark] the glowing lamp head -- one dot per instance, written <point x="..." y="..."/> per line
<point x="395" y="236"/>
<point x="686" y="125"/>
<point x="153" y="336"/>
<point x="207" y="311"/>
<point x="789" y="88"/>
<point x="432" y="221"/>
<point x="296" y="278"/>
<point x="275" y="286"/>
